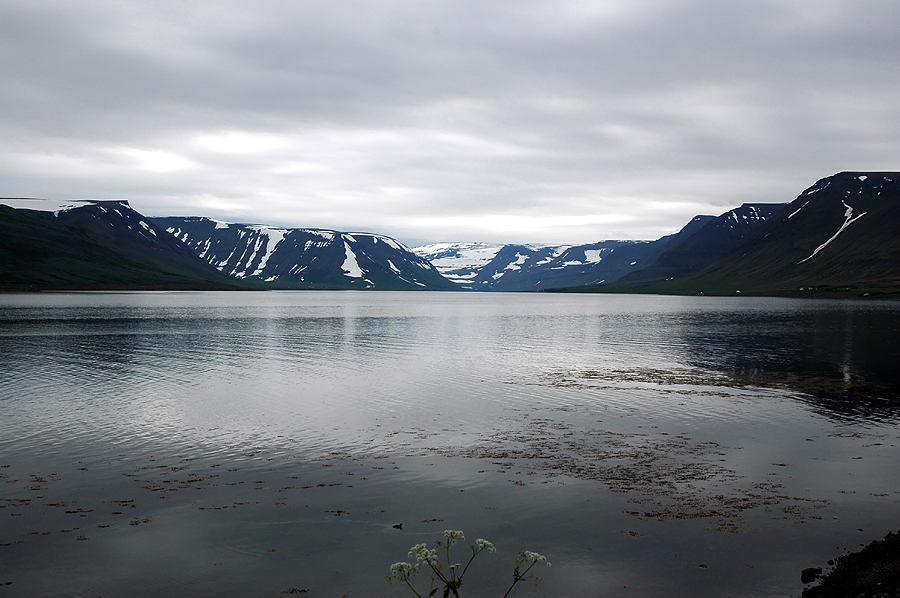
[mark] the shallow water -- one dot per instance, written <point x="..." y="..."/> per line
<point x="248" y="444"/>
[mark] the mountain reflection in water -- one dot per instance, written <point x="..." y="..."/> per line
<point x="842" y="358"/>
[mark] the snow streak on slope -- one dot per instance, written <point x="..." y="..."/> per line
<point x="274" y="237"/>
<point x="848" y="220"/>
<point x="350" y="267"/>
<point x="300" y="258"/>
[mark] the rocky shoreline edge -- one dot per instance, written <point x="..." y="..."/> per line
<point x="873" y="572"/>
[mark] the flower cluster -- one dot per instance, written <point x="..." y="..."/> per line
<point x="450" y="576"/>
<point x="526" y="559"/>
<point x="401" y="571"/>
<point x="482" y="544"/>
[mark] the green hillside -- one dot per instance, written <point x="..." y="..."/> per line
<point x="38" y="252"/>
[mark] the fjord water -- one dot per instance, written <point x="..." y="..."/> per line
<point x="256" y="444"/>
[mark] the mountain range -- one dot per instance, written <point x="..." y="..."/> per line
<point x="839" y="236"/>
<point x="305" y="258"/>
<point x="541" y="267"/>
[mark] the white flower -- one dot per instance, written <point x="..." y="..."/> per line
<point x="422" y="554"/>
<point x="527" y="555"/>
<point x="453" y="535"/>
<point x="402" y="571"/>
<point x="482" y="544"/>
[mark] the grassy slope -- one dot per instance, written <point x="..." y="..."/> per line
<point x="38" y="254"/>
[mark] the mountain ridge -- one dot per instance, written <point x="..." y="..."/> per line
<point x="839" y="236"/>
<point x="95" y="245"/>
<point x="304" y="258"/>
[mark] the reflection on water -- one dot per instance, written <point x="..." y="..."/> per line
<point x="843" y="357"/>
<point x="248" y="444"/>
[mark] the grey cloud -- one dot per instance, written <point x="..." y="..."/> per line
<point x="392" y="116"/>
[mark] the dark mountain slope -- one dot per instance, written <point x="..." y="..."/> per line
<point x="841" y="235"/>
<point x="97" y="245"/>
<point x="843" y="231"/>
<point x="697" y="248"/>
<point x="517" y="269"/>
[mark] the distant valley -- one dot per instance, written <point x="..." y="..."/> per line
<point x="482" y="267"/>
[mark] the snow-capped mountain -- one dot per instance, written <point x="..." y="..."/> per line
<point x="89" y="244"/>
<point x="485" y="267"/>
<point x="531" y="267"/>
<point x="458" y="262"/>
<point x="839" y="235"/>
<point x="305" y="258"/>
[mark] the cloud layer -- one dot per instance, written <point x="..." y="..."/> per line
<point x="503" y="121"/>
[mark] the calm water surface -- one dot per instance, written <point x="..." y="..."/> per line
<point x="250" y="444"/>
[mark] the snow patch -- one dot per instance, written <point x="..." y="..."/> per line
<point x="798" y="210"/>
<point x="517" y="265"/>
<point x="350" y="267"/>
<point x="44" y="205"/>
<point x="257" y="245"/>
<point x="390" y="241"/>
<point x="819" y="189"/>
<point x="274" y="237"/>
<point x="326" y="234"/>
<point x="456" y="256"/>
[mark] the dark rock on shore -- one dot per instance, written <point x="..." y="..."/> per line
<point x="810" y="574"/>
<point x="873" y="572"/>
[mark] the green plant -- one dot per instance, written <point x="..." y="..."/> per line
<point x="450" y="575"/>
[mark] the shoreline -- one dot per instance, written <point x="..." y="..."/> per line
<point x="873" y="572"/>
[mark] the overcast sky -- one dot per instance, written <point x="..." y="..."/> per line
<point x="454" y="120"/>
